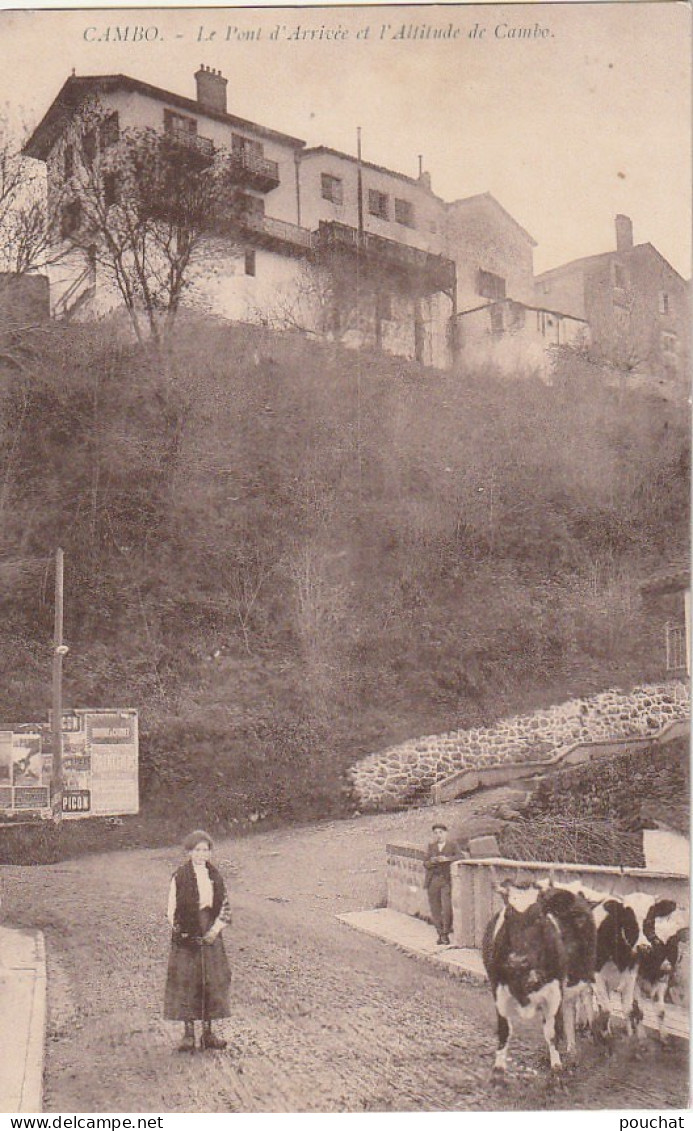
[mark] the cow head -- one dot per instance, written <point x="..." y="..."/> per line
<point x="665" y="921"/>
<point x="518" y="896"/>
<point x="528" y="954"/>
<point x="636" y="907"/>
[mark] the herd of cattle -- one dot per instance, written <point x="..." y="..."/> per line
<point x="561" y="952"/>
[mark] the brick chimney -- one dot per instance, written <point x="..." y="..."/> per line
<point x="211" y="88"/>
<point x="624" y="233"/>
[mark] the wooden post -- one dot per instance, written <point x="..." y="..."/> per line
<point x="59" y="650"/>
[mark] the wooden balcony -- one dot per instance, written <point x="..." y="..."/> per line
<point x="432" y="272"/>
<point x="252" y="172"/>
<point x="200" y="148"/>
<point x="275" y="235"/>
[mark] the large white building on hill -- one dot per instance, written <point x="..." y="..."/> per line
<point x="326" y="242"/>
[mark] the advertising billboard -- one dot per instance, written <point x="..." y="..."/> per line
<point x="100" y="757"/>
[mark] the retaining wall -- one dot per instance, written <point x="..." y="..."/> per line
<point x="403" y="773"/>
<point x="474" y="899"/>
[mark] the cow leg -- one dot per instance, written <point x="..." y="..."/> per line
<point x="584" y="1008"/>
<point x="602" y="1022"/>
<point x="504" y="1035"/>
<point x="659" y="996"/>
<point x="631" y="1009"/>
<point x="550" y="1011"/>
<point x="570" y="1003"/>
<point x="587" y="1001"/>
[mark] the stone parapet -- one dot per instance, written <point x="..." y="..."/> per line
<point x="404" y="773"/>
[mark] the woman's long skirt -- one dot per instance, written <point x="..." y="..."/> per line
<point x="198" y="977"/>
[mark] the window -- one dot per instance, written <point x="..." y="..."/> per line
<point x="668" y="341"/>
<point x="384" y="307"/>
<point x="663" y="302"/>
<point x="496" y="319"/>
<point x="89" y="147"/>
<point x="516" y="316"/>
<point x="251" y="207"/>
<point x="490" y="286"/>
<point x="378" y="204"/>
<point x="69" y="161"/>
<point x="109" y="130"/>
<point x="71" y="218"/>
<point x="246" y="147"/>
<point x="111" y="189"/>
<point x="332" y="188"/>
<point x="250" y="261"/>
<point x="675" y="637"/>
<point x="180" y="125"/>
<point x="404" y="212"/>
<point x="619" y="275"/>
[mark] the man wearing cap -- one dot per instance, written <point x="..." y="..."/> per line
<point x="438" y="882"/>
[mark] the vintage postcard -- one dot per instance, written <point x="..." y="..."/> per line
<point x="344" y="560"/>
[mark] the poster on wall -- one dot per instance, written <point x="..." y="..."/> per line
<point x="112" y="743"/>
<point x="76" y="773"/>
<point x="27" y="763"/>
<point x="5" y="758"/>
<point x="99" y="763"/>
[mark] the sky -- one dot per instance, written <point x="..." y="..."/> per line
<point x="587" y="116"/>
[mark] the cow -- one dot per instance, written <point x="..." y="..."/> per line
<point x="539" y="953"/>
<point x="666" y="929"/>
<point x="625" y="947"/>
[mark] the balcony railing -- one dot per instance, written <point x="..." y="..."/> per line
<point x="435" y="270"/>
<point x="274" y="232"/>
<point x="204" y="146"/>
<point x="256" y="172"/>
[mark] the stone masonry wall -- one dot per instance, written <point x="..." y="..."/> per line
<point x="402" y="773"/>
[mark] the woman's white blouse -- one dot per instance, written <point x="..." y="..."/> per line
<point x="206" y="893"/>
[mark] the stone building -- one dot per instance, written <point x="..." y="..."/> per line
<point x="326" y="242"/>
<point x="636" y="304"/>
<point x="517" y="337"/>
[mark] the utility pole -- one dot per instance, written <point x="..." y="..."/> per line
<point x="59" y="650"/>
<point x="359" y="182"/>
<point x="359" y="242"/>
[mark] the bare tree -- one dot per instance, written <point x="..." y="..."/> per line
<point x="328" y="298"/>
<point x="629" y="339"/>
<point x="25" y="243"/>
<point x="138" y="204"/>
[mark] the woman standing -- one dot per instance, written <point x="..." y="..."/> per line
<point x="197" y="983"/>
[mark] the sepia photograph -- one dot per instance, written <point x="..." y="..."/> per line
<point x="345" y="437"/>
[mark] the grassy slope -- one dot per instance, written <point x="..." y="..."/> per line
<point x="287" y="555"/>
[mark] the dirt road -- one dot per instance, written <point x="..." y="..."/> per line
<point x="324" y="1018"/>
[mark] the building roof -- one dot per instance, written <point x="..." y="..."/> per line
<point x="77" y="88"/>
<point x="489" y="197"/>
<point x="325" y="149"/>
<point x="604" y="256"/>
<point x="524" y="305"/>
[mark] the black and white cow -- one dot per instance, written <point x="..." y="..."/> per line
<point x="666" y="929"/>
<point x="621" y="947"/>
<point x="539" y="954"/>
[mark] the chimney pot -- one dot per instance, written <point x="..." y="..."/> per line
<point x="624" y="233"/>
<point x="211" y="88"/>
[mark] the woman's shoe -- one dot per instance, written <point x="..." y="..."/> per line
<point x="209" y="1040"/>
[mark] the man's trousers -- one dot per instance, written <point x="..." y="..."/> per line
<point x="439" y="898"/>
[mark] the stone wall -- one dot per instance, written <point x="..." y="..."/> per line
<point x="406" y="772"/>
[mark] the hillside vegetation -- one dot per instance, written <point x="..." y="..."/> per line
<point x="595" y="814"/>
<point x="287" y="555"/>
